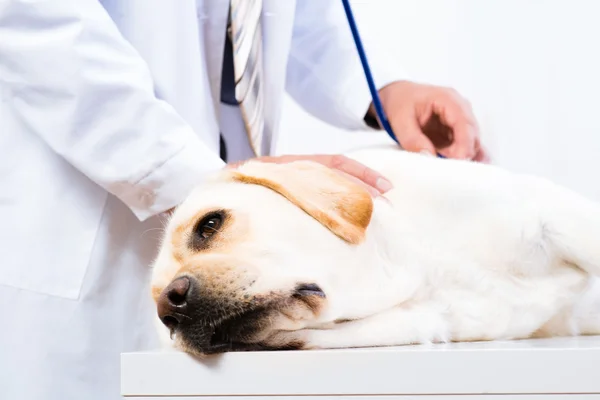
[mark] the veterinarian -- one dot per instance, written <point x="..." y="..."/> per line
<point x="111" y="111"/>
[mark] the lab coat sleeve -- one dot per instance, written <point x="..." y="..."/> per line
<point x="73" y="80"/>
<point x="324" y="73"/>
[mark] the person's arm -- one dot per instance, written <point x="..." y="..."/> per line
<point x="324" y="73"/>
<point x="80" y="86"/>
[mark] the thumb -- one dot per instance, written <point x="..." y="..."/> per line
<point x="411" y="137"/>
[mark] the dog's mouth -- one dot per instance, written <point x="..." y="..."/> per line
<point x="205" y="333"/>
<point x="228" y="334"/>
<point x="218" y="347"/>
<point x="235" y="333"/>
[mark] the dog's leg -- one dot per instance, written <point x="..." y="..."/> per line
<point x="392" y="328"/>
<point x="571" y="224"/>
<point x="587" y="310"/>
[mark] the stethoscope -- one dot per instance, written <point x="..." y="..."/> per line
<point x="367" y="70"/>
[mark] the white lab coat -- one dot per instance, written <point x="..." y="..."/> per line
<point x="109" y="114"/>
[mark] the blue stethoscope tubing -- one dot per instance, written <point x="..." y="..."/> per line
<point x="369" y="76"/>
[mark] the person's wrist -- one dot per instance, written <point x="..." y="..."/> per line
<point x="371" y="118"/>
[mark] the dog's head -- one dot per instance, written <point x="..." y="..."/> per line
<point x="255" y="253"/>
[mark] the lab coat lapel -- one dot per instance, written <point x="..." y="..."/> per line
<point x="278" y="20"/>
<point x="212" y="15"/>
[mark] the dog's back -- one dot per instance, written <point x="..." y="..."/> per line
<point x="501" y="255"/>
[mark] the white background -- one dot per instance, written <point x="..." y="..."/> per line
<point x="531" y="68"/>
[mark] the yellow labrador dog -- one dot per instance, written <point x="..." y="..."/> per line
<point x="293" y="256"/>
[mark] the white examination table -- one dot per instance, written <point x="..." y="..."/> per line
<point x="553" y="369"/>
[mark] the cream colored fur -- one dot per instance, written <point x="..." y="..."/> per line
<point x="457" y="251"/>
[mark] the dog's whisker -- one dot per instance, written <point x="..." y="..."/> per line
<point x="151" y="230"/>
<point x="214" y="229"/>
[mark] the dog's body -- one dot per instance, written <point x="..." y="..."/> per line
<point x="457" y="251"/>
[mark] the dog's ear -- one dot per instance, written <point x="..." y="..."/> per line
<point x="343" y="206"/>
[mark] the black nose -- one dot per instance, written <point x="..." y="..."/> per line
<point x="172" y="304"/>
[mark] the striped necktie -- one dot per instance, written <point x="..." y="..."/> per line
<point x="245" y="32"/>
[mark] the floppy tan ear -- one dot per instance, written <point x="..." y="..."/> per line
<point x="339" y="204"/>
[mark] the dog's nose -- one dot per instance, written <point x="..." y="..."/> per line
<point x="172" y="304"/>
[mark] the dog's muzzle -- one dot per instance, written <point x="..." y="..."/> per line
<point x="210" y="324"/>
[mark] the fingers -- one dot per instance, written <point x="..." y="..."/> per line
<point x="463" y="145"/>
<point x="361" y="172"/>
<point x="482" y="157"/>
<point x="459" y="119"/>
<point x="410" y="136"/>
<point x="442" y="118"/>
<point x="372" y="191"/>
<point x="233" y="165"/>
<point x="481" y="154"/>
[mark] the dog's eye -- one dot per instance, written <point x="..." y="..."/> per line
<point x="208" y="226"/>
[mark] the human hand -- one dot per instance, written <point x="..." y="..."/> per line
<point x="370" y="179"/>
<point x="432" y="119"/>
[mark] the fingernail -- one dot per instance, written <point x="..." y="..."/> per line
<point x="383" y="185"/>
<point x="374" y="192"/>
<point x="426" y="153"/>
